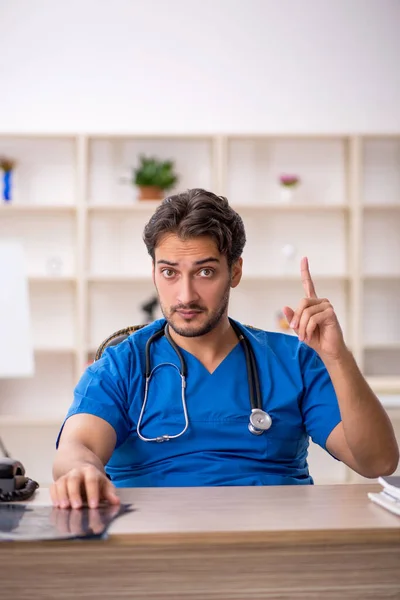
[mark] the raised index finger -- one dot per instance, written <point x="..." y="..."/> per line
<point x="306" y="280"/>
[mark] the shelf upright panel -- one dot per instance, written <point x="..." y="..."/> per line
<point x="82" y="317"/>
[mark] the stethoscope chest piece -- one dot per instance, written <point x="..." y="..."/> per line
<point x="260" y="421"/>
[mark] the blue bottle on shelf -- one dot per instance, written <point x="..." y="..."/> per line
<point x="7" y="186"/>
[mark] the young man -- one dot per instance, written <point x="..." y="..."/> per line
<point x="309" y="385"/>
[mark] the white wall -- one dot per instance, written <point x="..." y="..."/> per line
<point x="199" y="65"/>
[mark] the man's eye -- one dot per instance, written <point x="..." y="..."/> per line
<point x="207" y="272"/>
<point x="168" y="273"/>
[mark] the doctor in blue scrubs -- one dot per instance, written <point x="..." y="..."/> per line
<point x="199" y="399"/>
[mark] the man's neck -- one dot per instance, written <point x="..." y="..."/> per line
<point x="212" y="347"/>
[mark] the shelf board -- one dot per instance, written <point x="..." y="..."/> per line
<point x="150" y="136"/>
<point x="384" y="384"/>
<point x="382" y="207"/>
<point x="37" y="208"/>
<point x="135" y="206"/>
<point x="291" y="206"/>
<point x="295" y="278"/>
<point x="54" y="350"/>
<point x="51" y="279"/>
<point x="381" y="277"/>
<point x="119" y="279"/>
<point x="28" y="421"/>
<point x="245" y="279"/>
<point x="41" y="135"/>
<point x="382" y="346"/>
<point x="343" y="136"/>
<point x="151" y="205"/>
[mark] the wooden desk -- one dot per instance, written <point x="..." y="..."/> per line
<point x="312" y="542"/>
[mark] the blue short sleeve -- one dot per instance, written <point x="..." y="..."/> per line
<point x="102" y="391"/>
<point x="319" y="404"/>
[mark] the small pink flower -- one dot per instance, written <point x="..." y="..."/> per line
<point x="289" y="180"/>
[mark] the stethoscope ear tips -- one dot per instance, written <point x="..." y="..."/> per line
<point x="260" y="421"/>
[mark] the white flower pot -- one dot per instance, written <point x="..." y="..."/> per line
<point x="286" y="193"/>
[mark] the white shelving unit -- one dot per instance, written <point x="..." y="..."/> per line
<point x="89" y="273"/>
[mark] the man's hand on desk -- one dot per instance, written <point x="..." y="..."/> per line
<point x="83" y="485"/>
<point x="83" y="522"/>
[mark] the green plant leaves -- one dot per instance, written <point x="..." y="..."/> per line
<point x="153" y="172"/>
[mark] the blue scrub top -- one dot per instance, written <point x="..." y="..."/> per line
<point x="217" y="449"/>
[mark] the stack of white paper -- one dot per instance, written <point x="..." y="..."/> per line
<point x="389" y="497"/>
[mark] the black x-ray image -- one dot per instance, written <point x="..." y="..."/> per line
<point x="29" y="522"/>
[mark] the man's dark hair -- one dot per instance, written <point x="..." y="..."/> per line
<point x="195" y="213"/>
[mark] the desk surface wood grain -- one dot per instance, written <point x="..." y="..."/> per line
<point x="280" y="515"/>
<point x="275" y="543"/>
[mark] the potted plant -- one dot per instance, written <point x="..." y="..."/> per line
<point x="153" y="177"/>
<point x="288" y="183"/>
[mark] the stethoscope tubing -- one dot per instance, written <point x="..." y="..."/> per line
<point x="165" y="437"/>
<point x="257" y="414"/>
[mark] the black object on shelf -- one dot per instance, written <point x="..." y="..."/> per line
<point x="149" y="308"/>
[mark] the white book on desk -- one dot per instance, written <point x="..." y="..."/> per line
<point x="391" y="484"/>
<point x="386" y="501"/>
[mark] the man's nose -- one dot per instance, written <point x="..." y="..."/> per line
<point x="187" y="293"/>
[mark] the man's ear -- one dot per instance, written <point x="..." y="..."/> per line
<point x="153" y="272"/>
<point x="236" y="272"/>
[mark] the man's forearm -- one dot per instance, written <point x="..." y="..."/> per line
<point x="367" y="427"/>
<point x="71" y="455"/>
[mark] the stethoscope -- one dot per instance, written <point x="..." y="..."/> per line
<point x="259" y="421"/>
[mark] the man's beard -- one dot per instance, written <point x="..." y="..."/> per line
<point x="193" y="330"/>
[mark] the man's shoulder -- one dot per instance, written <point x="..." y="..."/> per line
<point x="280" y="346"/>
<point x="129" y="349"/>
<point x="144" y="332"/>
<point x="272" y="338"/>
